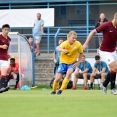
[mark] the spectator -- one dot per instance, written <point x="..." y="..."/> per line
<point x="13" y="72"/>
<point x="56" y="56"/>
<point x="100" y="70"/>
<point x="30" y="40"/>
<point x="83" y="71"/>
<point x="101" y="20"/>
<point x="38" y="31"/>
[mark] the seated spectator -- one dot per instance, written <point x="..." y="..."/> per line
<point x="56" y="56"/>
<point x="13" y="72"/>
<point x="100" y="70"/>
<point x="83" y="71"/>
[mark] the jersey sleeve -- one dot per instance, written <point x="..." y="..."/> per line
<point x="102" y="27"/>
<point x="103" y="65"/>
<point x="63" y="45"/>
<point x="95" y="65"/>
<point x="80" y="49"/>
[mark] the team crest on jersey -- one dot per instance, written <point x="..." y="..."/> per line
<point x="75" y="48"/>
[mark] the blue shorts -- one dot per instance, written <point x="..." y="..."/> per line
<point x="64" y="67"/>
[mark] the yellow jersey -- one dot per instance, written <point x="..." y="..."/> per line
<point x="73" y="52"/>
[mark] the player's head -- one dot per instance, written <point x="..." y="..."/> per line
<point x="97" y="59"/>
<point x="12" y="61"/>
<point x="60" y="41"/>
<point x="30" y="40"/>
<point x="115" y="18"/>
<point x="5" y="29"/>
<point x="38" y="16"/>
<point x="102" y="16"/>
<point x="72" y="36"/>
<point x="83" y="59"/>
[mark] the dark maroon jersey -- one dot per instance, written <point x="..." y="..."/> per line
<point x="109" y="36"/>
<point x="4" y="52"/>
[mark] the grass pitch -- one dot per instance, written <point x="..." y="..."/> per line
<point x="39" y="103"/>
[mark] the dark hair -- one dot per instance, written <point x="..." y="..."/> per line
<point x="97" y="57"/>
<point x="5" y="26"/>
<point x="12" y="59"/>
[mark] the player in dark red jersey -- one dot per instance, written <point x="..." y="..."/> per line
<point x="107" y="50"/>
<point x="4" y="45"/>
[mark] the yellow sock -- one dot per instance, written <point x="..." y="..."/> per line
<point x="55" y="85"/>
<point x="64" y="84"/>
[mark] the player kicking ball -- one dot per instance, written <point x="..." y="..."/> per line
<point x="107" y="50"/>
<point x="4" y="45"/>
<point x="71" y="50"/>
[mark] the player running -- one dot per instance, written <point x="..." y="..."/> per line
<point x="70" y="49"/>
<point x="107" y="50"/>
<point x="4" y="45"/>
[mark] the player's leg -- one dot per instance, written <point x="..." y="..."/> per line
<point x="38" y="39"/>
<point x="92" y="75"/>
<point x="17" y="81"/>
<point x="75" y="79"/>
<point x="60" y="71"/>
<point x="66" y="80"/>
<point x="85" y="81"/>
<point x="110" y="59"/>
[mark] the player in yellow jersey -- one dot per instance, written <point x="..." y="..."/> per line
<point x="71" y="50"/>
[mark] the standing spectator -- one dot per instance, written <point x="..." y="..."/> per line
<point x="4" y="45"/>
<point x="56" y="56"/>
<point x="101" y="20"/>
<point x="83" y="71"/>
<point x="100" y="70"/>
<point x="38" y="31"/>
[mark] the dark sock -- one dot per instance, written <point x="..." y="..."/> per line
<point x="7" y="79"/>
<point x="17" y="80"/>
<point x="91" y="85"/>
<point x="107" y="80"/>
<point x="3" y="83"/>
<point x="112" y="79"/>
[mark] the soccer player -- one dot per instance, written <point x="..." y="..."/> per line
<point x="107" y="50"/>
<point x="4" y="45"/>
<point x="13" y="72"/>
<point x="83" y="71"/>
<point x="70" y="49"/>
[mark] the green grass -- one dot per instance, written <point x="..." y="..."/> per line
<point x="39" y="103"/>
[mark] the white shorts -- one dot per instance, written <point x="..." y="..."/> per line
<point x="4" y="64"/>
<point x="108" y="57"/>
<point x="38" y="39"/>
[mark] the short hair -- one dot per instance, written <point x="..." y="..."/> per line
<point x="97" y="57"/>
<point x="5" y="26"/>
<point x="12" y="59"/>
<point x="72" y="33"/>
<point x="115" y="15"/>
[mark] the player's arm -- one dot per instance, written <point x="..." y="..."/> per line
<point x="85" y="71"/>
<point x="92" y="33"/>
<point x="94" y="70"/>
<point x="4" y="46"/>
<point x="61" y="48"/>
<point x="42" y="29"/>
<point x="54" y="57"/>
<point x="103" y="71"/>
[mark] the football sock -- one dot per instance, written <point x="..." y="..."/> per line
<point x="3" y="83"/>
<point x="64" y="83"/>
<point x="112" y="79"/>
<point x="55" y="85"/>
<point x="91" y="85"/>
<point x="107" y="80"/>
<point x="7" y="79"/>
<point x="17" y="80"/>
